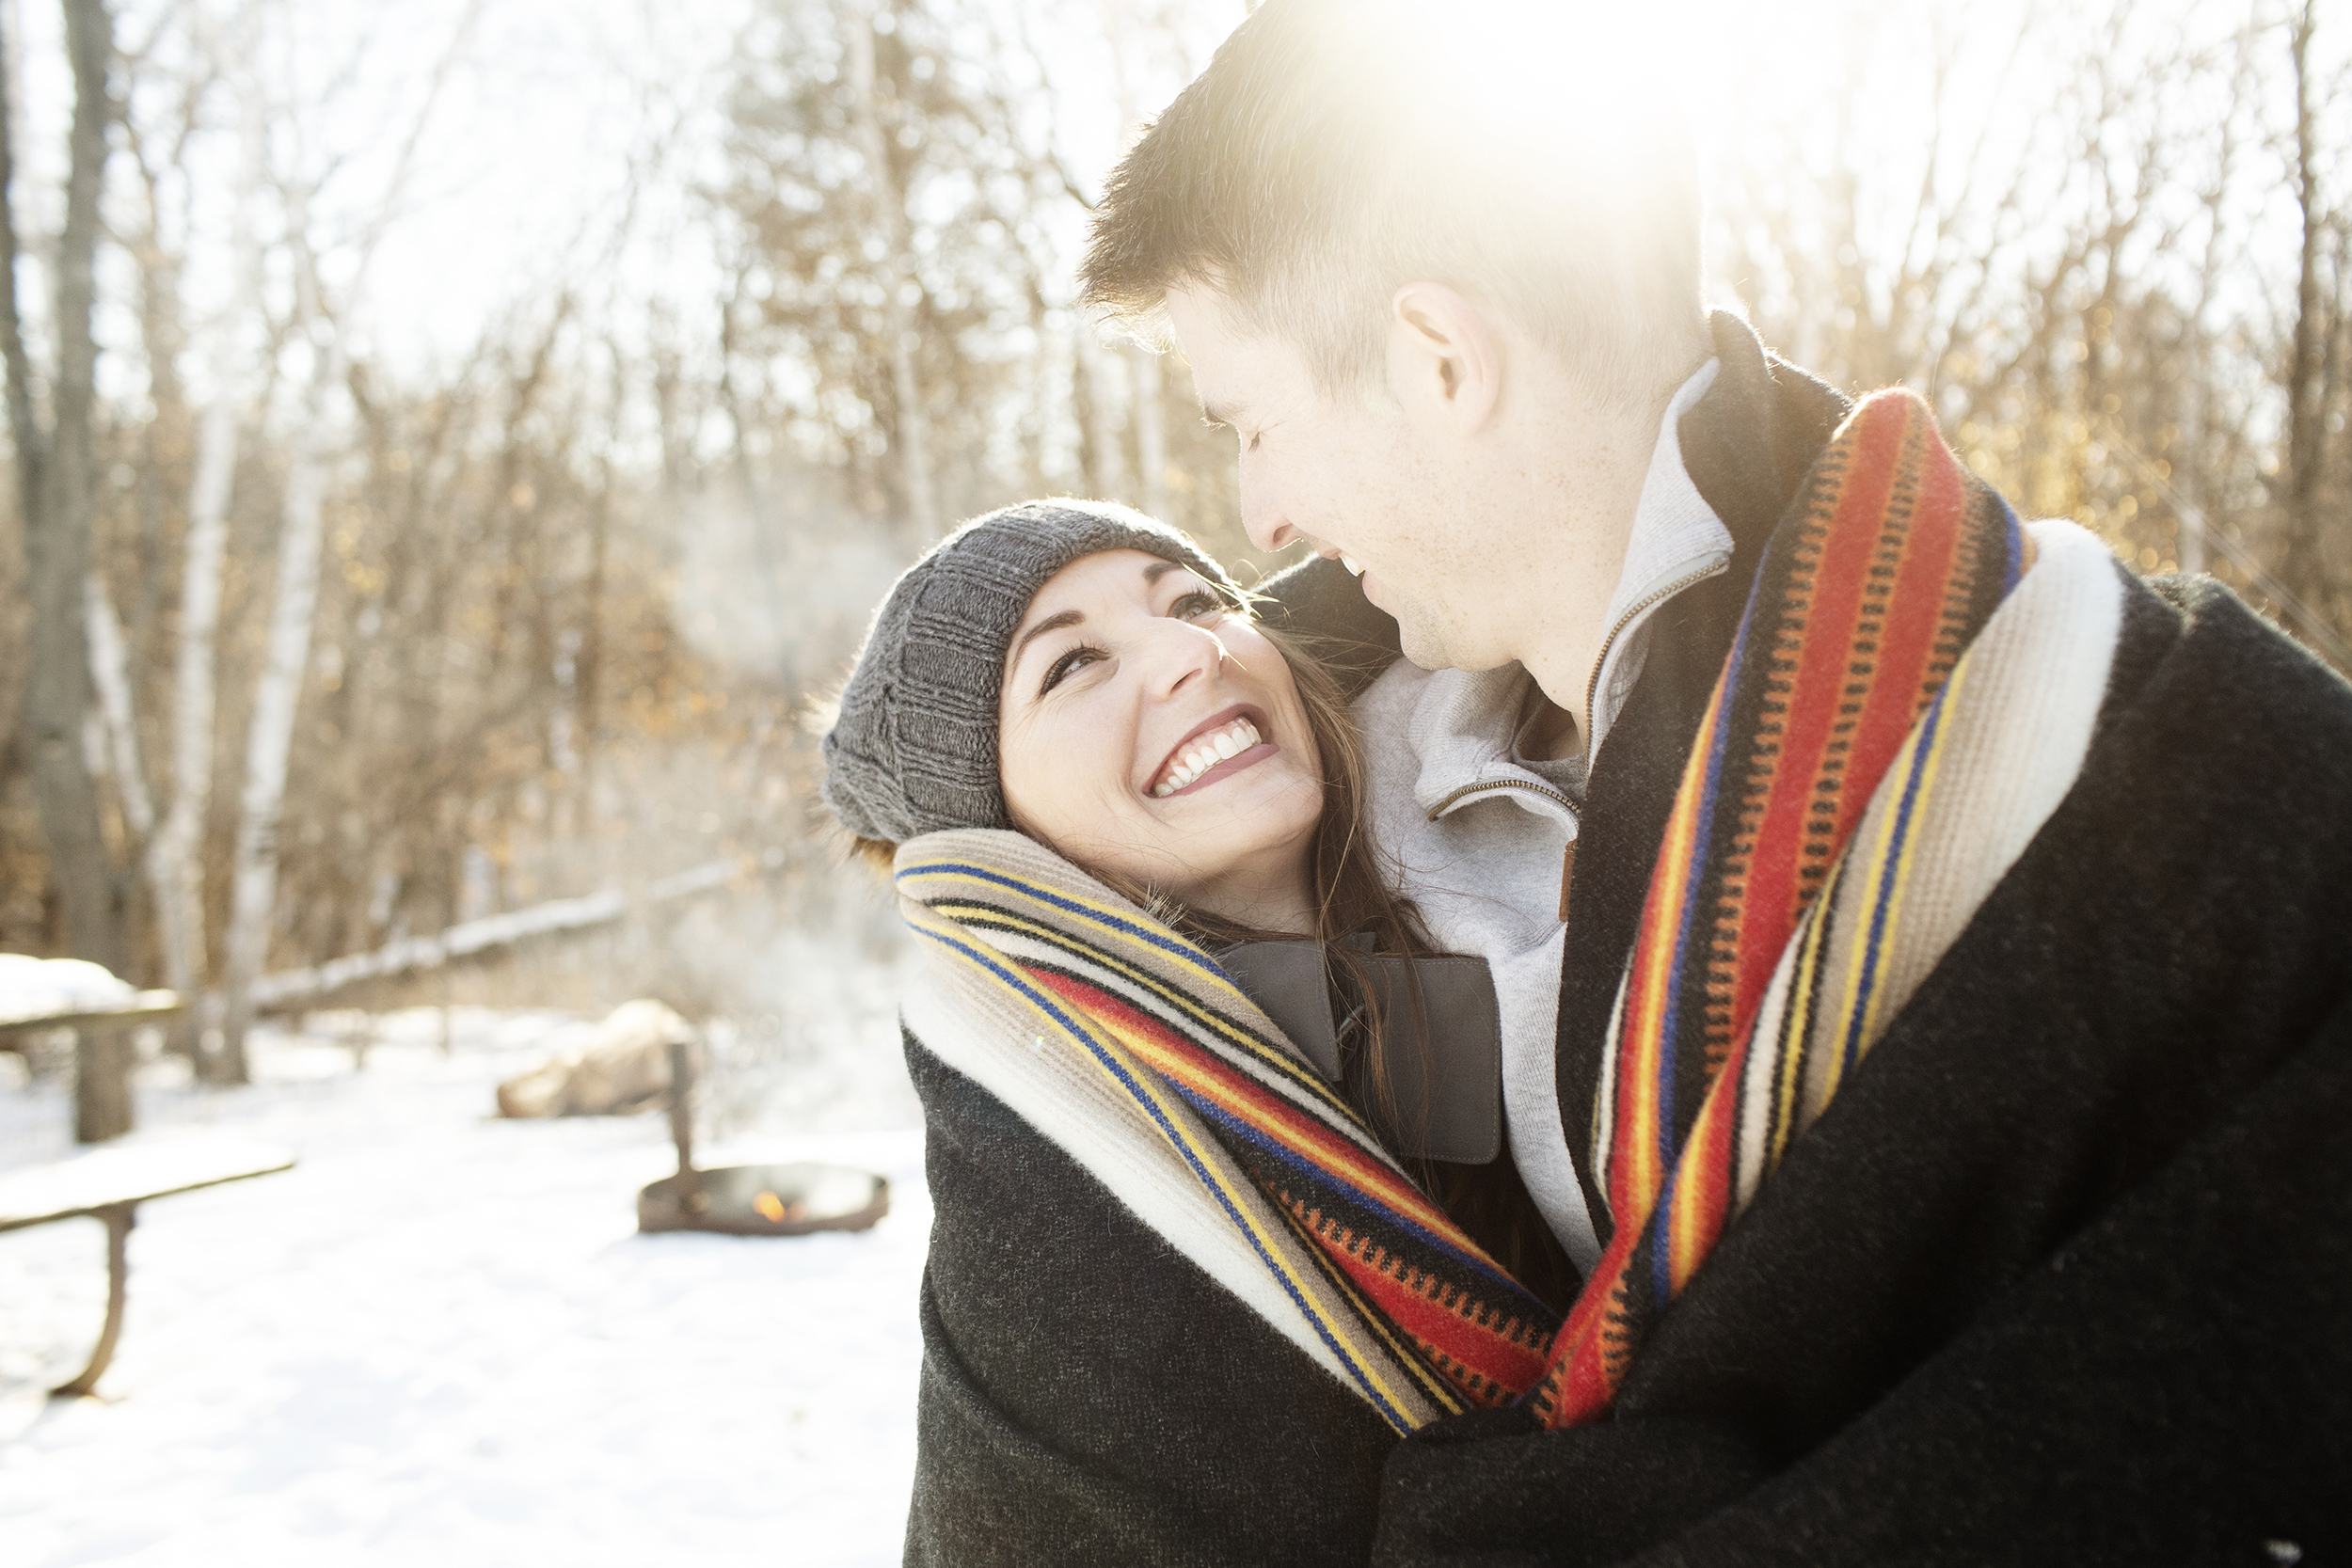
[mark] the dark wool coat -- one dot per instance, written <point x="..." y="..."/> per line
<point x="1089" y="1396"/>
<point x="2064" y="1273"/>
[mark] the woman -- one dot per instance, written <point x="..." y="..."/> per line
<point x="1181" y="1298"/>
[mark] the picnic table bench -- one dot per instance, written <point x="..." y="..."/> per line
<point x="110" y="1184"/>
<point x="102" y="1056"/>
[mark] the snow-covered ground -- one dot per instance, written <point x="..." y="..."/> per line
<point x="439" y="1340"/>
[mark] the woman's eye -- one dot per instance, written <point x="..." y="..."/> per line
<point x="1069" y="665"/>
<point x="1196" y="604"/>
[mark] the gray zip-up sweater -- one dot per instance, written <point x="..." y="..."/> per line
<point x="1477" y="830"/>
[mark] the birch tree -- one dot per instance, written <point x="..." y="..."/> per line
<point x="278" y="692"/>
<point x="110" y="673"/>
<point x="175" y="864"/>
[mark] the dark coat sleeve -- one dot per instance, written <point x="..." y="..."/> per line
<point x="2061" y="1275"/>
<point x="1089" y="1396"/>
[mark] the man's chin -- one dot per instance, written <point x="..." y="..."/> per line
<point x="1419" y="635"/>
<point x="1428" y="652"/>
<point x="1432" y="650"/>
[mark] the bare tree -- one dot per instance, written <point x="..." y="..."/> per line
<point x="912" y="437"/>
<point x="56" y="469"/>
<point x="175" y="866"/>
<point x="279" y="693"/>
<point x="2312" y="336"/>
<point x="2202" y="435"/>
<point x="1103" y="428"/>
<point x="1151" y="421"/>
<point x="110" y="673"/>
<point x="936" y="252"/>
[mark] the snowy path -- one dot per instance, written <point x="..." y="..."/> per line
<point x="440" y="1341"/>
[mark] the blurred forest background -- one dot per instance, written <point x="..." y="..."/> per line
<point x="369" y="572"/>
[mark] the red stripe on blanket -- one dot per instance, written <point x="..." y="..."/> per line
<point x="1867" y="604"/>
<point x="1485" y="1347"/>
<point x="1217" y="1080"/>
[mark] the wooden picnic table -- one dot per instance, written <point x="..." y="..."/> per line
<point x="108" y="1185"/>
<point x="102" y="1056"/>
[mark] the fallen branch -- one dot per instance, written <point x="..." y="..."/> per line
<point x="304" y="987"/>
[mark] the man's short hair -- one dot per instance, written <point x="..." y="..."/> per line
<point x="1531" y="157"/>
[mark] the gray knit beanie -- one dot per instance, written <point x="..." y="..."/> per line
<point x="914" y="749"/>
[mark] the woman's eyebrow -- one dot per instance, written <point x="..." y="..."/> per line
<point x="1152" y="574"/>
<point x="1051" y="623"/>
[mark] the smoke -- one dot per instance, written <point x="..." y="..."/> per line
<point x="782" y="589"/>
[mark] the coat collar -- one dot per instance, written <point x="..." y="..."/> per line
<point x="1749" y="442"/>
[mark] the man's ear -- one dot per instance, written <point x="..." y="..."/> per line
<point x="1444" y="357"/>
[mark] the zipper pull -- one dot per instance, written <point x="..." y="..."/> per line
<point x="1568" y="871"/>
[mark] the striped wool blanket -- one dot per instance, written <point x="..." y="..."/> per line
<point x="1125" y="1044"/>
<point x="1903" y="707"/>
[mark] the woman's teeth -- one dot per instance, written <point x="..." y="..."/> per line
<point x="1205" y="751"/>
<point x="1354" y="567"/>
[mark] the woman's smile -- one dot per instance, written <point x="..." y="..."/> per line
<point x="1147" y="727"/>
<point x="1217" y="748"/>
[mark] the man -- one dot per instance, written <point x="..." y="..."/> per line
<point x="2060" y="1275"/>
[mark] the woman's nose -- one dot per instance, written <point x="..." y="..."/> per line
<point x="1180" y="652"/>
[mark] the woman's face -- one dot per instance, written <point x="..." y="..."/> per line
<point x="1148" y="731"/>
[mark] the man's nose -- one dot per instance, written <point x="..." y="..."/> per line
<point x="1263" y="516"/>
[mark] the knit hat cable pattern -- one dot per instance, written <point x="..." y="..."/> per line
<point x="914" y="748"/>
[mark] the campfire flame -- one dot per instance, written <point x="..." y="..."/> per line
<point x="771" y="1207"/>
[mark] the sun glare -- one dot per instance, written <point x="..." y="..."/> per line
<point x="1549" y="75"/>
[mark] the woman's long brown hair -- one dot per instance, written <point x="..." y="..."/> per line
<point x="1353" y="897"/>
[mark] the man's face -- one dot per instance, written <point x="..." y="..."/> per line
<point x="1352" y="478"/>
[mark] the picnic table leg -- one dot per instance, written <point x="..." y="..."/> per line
<point x="117" y="1220"/>
<point x="101" y="1082"/>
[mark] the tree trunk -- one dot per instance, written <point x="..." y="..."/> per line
<point x="1151" y="416"/>
<point x="910" y="439"/>
<point x="110" y="672"/>
<point x="175" y="860"/>
<point x="278" y="696"/>
<point x="755" y="517"/>
<point x="588" y="663"/>
<point x="2306" y="392"/>
<point x="1106" y="469"/>
<point x="12" y="25"/>
<point x="57" y="480"/>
